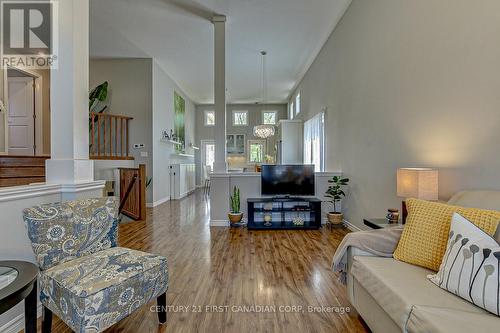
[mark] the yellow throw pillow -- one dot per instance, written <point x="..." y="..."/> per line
<point x="425" y="236"/>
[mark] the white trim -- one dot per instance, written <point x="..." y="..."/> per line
<point x="219" y="223"/>
<point x="234" y="174"/>
<point x="328" y="173"/>
<point x="16" y="324"/>
<point x="351" y="226"/>
<point x="157" y="202"/>
<point x="28" y="191"/>
<point x="83" y="187"/>
<point x="37" y="190"/>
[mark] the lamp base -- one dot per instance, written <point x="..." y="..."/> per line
<point x="404" y="211"/>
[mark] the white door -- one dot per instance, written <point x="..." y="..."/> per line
<point x="207" y="156"/>
<point x="21" y="119"/>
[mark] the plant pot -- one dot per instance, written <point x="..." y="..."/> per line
<point x="235" y="218"/>
<point x="335" y="218"/>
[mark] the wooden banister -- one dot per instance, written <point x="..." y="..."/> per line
<point x="103" y="135"/>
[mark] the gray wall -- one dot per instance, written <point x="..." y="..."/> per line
<point x="409" y="83"/>
<point x="254" y="118"/>
<point x="130" y="94"/>
<point x="163" y="119"/>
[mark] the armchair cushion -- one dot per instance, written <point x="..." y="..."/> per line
<point x="92" y="293"/>
<point x="61" y="232"/>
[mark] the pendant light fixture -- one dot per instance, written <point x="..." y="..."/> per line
<point x="264" y="131"/>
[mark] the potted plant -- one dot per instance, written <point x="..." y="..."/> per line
<point x="335" y="193"/>
<point x="235" y="215"/>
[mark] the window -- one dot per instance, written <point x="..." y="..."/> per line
<point x="269" y="117"/>
<point x="297" y="104"/>
<point x="240" y="118"/>
<point x="291" y="113"/>
<point x="314" y="142"/>
<point x="256" y="151"/>
<point x="209" y="118"/>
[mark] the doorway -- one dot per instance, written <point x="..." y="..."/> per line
<point x="24" y="121"/>
<point x="207" y="158"/>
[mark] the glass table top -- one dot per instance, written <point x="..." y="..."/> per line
<point x="7" y="276"/>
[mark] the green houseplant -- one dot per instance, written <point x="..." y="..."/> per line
<point x="335" y="193"/>
<point x="235" y="215"/>
<point x="97" y="99"/>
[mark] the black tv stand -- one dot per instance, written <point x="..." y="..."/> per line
<point x="284" y="213"/>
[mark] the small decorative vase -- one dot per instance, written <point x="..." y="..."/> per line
<point x="235" y="218"/>
<point x="393" y="215"/>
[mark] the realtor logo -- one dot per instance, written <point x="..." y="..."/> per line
<point x="28" y="34"/>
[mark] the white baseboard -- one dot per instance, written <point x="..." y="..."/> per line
<point x="17" y="323"/>
<point x="351" y="226"/>
<point x="219" y="223"/>
<point x="157" y="203"/>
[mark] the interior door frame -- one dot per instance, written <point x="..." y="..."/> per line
<point x="203" y="152"/>
<point x="38" y="109"/>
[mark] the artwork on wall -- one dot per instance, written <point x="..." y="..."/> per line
<point x="235" y="144"/>
<point x="179" y="121"/>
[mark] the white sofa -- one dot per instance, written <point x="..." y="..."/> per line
<point x="392" y="296"/>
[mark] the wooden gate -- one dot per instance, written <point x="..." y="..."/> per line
<point x="135" y="205"/>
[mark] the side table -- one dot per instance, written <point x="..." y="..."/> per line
<point x="380" y="223"/>
<point x="17" y="283"/>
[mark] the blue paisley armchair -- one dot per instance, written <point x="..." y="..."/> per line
<point x="85" y="279"/>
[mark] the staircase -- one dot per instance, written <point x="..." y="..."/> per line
<point x="22" y="170"/>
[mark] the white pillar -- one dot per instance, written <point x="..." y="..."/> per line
<point x="220" y="164"/>
<point x="69" y="163"/>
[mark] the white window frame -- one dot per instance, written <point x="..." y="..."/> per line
<point x="249" y="150"/>
<point x="314" y="132"/>
<point x="205" y="118"/>
<point x="291" y="112"/>
<point x="298" y="103"/>
<point x="234" y="118"/>
<point x="275" y="116"/>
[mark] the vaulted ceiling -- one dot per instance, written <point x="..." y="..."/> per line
<point x="291" y="31"/>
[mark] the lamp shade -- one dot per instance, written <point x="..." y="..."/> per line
<point x="420" y="183"/>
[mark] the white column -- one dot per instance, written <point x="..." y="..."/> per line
<point x="220" y="164"/>
<point x="69" y="163"/>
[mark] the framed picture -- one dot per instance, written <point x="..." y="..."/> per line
<point x="235" y="144"/>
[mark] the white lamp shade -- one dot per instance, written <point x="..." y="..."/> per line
<point x="418" y="183"/>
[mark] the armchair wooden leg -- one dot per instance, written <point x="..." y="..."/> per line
<point x="162" y="308"/>
<point x="46" y="320"/>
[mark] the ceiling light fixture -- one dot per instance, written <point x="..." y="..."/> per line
<point x="263" y="131"/>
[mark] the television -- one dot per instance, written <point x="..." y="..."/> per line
<point x="287" y="180"/>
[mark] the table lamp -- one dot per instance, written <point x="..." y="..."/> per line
<point x="420" y="183"/>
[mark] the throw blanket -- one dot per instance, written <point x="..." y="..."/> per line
<point x="381" y="243"/>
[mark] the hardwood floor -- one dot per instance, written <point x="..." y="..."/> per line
<point x="211" y="267"/>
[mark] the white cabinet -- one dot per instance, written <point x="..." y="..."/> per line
<point x="182" y="180"/>
<point x="290" y="142"/>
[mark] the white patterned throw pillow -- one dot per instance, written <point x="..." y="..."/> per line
<point x="471" y="265"/>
